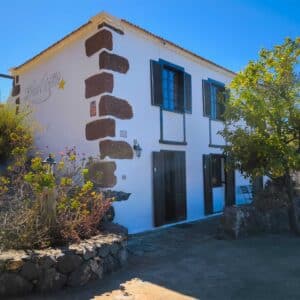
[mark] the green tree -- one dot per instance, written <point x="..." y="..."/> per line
<point x="262" y="127"/>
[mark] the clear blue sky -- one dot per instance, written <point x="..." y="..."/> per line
<point x="229" y="32"/>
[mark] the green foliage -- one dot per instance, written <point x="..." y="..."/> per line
<point x="16" y="134"/>
<point x="263" y="114"/>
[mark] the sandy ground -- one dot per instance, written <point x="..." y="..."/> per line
<point x="187" y="262"/>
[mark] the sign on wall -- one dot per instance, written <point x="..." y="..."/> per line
<point x="40" y="91"/>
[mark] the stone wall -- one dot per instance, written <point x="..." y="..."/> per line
<point x="242" y="221"/>
<point x="22" y="272"/>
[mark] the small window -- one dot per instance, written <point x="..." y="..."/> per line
<point x="93" y="109"/>
<point x="217" y="170"/>
<point x="214" y="97"/>
<point x="171" y="87"/>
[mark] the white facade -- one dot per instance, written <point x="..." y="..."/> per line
<point x="64" y="112"/>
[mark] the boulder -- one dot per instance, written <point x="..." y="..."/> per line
<point x="51" y="280"/>
<point x="242" y="221"/>
<point x="97" y="268"/>
<point x="104" y="250"/>
<point x="68" y="263"/>
<point x="12" y="284"/>
<point x="81" y="275"/>
<point x="277" y="220"/>
<point x="30" y="271"/>
<point x="110" y="264"/>
<point x="123" y="255"/>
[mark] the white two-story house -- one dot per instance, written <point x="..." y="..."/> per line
<point x="148" y="107"/>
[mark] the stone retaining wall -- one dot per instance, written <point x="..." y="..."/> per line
<point x="22" y="272"/>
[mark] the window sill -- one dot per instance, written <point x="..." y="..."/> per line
<point x="213" y="119"/>
<point x="172" y="143"/>
<point x="216" y="146"/>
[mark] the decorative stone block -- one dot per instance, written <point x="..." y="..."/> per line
<point x="100" y="40"/>
<point x="119" y="108"/>
<point x="98" y="84"/>
<point x="113" y="62"/>
<point x="16" y="90"/>
<point x="115" y="149"/>
<point x="100" y="129"/>
<point x="102" y="173"/>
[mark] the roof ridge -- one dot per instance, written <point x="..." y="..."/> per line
<point x="103" y="16"/>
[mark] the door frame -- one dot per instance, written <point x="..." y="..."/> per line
<point x="229" y="193"/>
<point x="158" y="182"/>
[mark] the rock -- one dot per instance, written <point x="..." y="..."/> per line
<point x="278" y="220"/>
<point x="297" y="210"/>
<point x="68" y="263"/>
<point x="30" y="271"/>
<point x="110" y="264"/>
<point x="239" y="222"/>
<point x="81" y="275"/>
<point x="97" y="268"/>
<point x="114" y="248"/>
<point x="12" y="284"/>
<point x="104" y="250"/>
<point x="14" y="265"/>
<point x="89" y="252"/>
<point x="123" y="255"/>
<point x="110" y="227"/>
<point x="117" y="195"/>
<point x="51" y="280"/>
<point x="47" y="261"/>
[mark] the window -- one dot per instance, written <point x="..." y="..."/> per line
<point x="214" y="96"/>
<point x="217" y="173"/>
<point x="170" y="87"/>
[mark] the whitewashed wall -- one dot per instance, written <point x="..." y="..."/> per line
<point x="64" y="116"/>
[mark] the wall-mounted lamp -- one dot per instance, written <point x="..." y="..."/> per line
<point x="50" y="161"/>
<point x="137" y="148"/>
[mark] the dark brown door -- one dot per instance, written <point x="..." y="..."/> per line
<point x="169" y="187"/>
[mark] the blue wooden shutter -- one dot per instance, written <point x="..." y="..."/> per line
<point x="188" y="93"/>
<point x="156" y="83"/>
<point x="206" y="95"/>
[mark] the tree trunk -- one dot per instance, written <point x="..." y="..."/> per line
<point x="293" y="216"/>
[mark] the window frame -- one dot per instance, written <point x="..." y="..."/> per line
<point x="213" y="104"/>
<point x="180" y="71"/>
<point x="220" y="176"/>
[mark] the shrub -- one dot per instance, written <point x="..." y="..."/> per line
<point x="48" y="209"/>
<point x="16" y="134"/>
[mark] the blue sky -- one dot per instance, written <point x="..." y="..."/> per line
<point x="229" y="32"/>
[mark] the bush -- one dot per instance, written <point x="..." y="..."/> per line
<point x="16" y="134"/>
<point x="48" y="210"/>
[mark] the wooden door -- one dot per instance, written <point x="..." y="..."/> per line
<point x="169" y="187"/>
<point x="229" y="195"/>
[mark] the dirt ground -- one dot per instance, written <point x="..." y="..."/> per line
<point x="187" y="262"/>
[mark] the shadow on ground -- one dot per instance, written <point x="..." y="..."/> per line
<point x="187" y="262"/>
